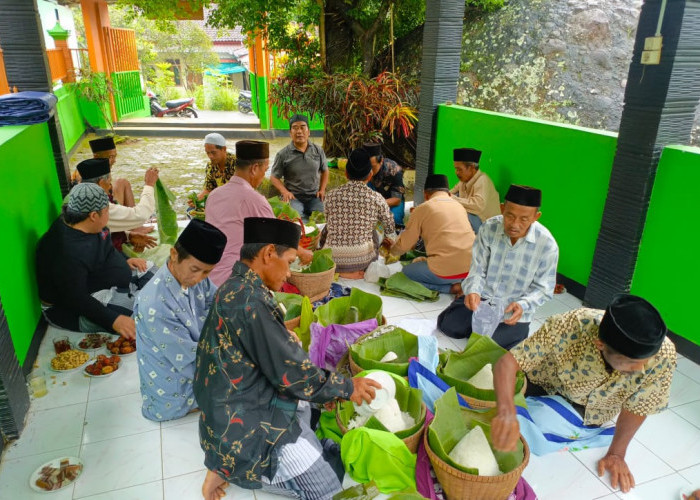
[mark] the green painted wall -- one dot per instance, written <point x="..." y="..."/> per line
<point x="128" y="95"/>
<point x="276" y="121"/>
<point x="667" y="271"/>
<point x="69" y="115"/>
<point x="570" y="164"/>
<point x="29" y="186"/>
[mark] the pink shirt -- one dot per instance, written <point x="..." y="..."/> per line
<point x="226" y="208"/>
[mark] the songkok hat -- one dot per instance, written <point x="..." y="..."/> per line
<point x="467" y="155"/>
<point x="87" y="197"/>
<point x="252" y="150"/>
<point x="524" y="195"/>
<point x="358" y="166"/>
<point x="93" y="168"/>
<point x="271" y="231"/>
<point x="203" y="241"/>
<point x="215" y="139"/>
<point x="372" y="148"/>
<point x="436" y="181"/>
<point x="632" y="326"/>
<point x="298" y="118"/>
<point x="102" y="144"/>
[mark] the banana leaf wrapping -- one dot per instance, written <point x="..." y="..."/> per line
<point x="451" y="424"/>
<point x="359" y="491"/>
<point x="291" y="302"/>
<point x="400" y="285"/>
<point x="158" y="255"/>
<point x="317" y="218"/>
<point x="369" y="350"/>
<point x="303" y="331"/>
<point x="322" y="261"/>
<point x="281" y="208"/>
<point x="167" y="218"/>
<point x="410" y="400"/>
<point x="356" y="307"/>
<point x="456" y="368"/>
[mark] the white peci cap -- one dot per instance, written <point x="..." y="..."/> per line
<point x="215" y="139"/>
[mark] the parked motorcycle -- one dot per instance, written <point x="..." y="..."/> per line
<point x="245" y="105"/>
<point x="178" y="107"/>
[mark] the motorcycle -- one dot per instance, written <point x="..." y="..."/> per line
<point x="245" y="105"/>
<point x="178" y="107"/>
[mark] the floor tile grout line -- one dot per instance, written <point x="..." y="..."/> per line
<point x="117" y="490"/>
<point x="657" y="456"/>
<point x="162" y="461"/>
<point x="593" y="473"/>
<point x="681" y="416"/>
<point x="120" y="437"/>
<point x="185" y="474"/>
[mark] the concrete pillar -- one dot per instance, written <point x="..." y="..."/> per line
<point x="60" y="38"/>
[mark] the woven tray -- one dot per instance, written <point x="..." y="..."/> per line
<point x="314" y="285"/>
<point x="481" y="404"/>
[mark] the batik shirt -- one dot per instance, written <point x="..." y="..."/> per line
<point x="389" y="180"/>
<point x="214" y="177"/>
<point x="562" y="357"/>
<point x="250" y="375"/>
<point x="168" y="322"/>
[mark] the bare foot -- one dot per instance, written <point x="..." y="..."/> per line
<point x="357" y="275"/>
<point x="456" y="289"/>
<point x="213" y="487"/>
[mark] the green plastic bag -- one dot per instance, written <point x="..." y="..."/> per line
<point x="322" y="261"/>
<point x="335" y="311"/>
<point x="167" y="218"/>
<point x="368" y="351"/>
<point x="328" y="427"/>
<point x="280" y="208"/>
<point x="400" y="285"/>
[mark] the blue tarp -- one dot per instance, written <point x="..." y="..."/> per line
<point x="26" y="108"/>
<point x="226" y="69"/>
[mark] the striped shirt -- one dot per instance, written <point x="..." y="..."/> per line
<point x="524" y="272"/>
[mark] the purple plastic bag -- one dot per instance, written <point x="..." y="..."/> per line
<point x="330" y="343"/>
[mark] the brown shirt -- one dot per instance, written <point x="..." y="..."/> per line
<point x="478" y="196"/>
<point x="446" y="231"/>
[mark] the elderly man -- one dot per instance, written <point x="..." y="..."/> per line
<point x="170" y="312"/>
<point x="352" y="213"/>
<point x="475" y="190"/>
<point x="302" y="165"/>
<point x="251" y="375"/>
<point x="447" y="235"/>
<point x="387" y="180"/>
<point x="221" y="166"/>
<point x="104" y="147"/>
<point x="514" y="265"/>
<point x="617" y="362"/>
<point x="83" y="281"/>
<point x="122" y="219"/>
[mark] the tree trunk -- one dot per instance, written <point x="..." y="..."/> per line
<point x="322" y="33"/>
<point x="338" y="38"/>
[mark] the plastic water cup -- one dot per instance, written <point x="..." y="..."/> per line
<point x="37" y="383"/>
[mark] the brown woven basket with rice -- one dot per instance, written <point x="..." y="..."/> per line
<point x="314" y="285"/>
<point x="480" y="404"/>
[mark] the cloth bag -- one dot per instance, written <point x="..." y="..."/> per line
<point x="330" y="343"/>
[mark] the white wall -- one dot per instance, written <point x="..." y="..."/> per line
<point x="47" y="13"/>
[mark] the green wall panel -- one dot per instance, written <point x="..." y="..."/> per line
<point x="29" y="184"/>
<point x="667" y="272"/>
<point x="69" y="115"/>
<point x="570" y="164"/>
<point x="128" y="95"/>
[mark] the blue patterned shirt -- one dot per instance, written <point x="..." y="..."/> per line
<point x="524" y="273"/>
<point x="168" y="323"/>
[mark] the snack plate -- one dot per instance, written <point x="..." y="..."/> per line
<point x="56" y="463"/>
<point x="92" y="349"/>
<point x="100" y="376"/>
<point x="110" y="353"/>
<point x="51" y="368"/>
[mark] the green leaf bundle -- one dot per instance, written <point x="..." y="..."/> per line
<point x="322" y="261"/>
<point x="167" y="218"/>
<point x="400" y="285"/>
<point x="335" y="311"/>
<point x="280" y="208"/>
<point x="368" y="352"/>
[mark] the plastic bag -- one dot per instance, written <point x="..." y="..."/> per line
<point x="487" y="317"/>
<point x="330" y="343"/>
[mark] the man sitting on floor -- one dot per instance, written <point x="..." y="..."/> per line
<point x="170" y="312"/>
<point x="387" y="180"/>
<point x="617" y="362"/>
<point x="447" y="235"/>
<point x="251" y="374"/>
<point x="352" y="213"/>
<point x="514" y="264"/>
<point x="475" y="190"/>
<point x="84" y="282"/>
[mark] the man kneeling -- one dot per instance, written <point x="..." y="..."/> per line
<point x="170" y="312"/>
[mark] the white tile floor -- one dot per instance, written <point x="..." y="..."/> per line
<point x="130" y="458"/>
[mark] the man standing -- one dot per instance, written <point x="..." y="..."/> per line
<point x="221" y="164"/>
<point x="122" y="193"/>
<point x="387" y="180"/>
<point x="84" y="283"/>
<point x="442" y="224"/>
<point x="475" y="190"/>
<point x="604" y="364"/>
<point x="251" y="375"/>
<point x="302" y="165"/>
<point x="514" y="264"/>
<point x="170" y="312"/>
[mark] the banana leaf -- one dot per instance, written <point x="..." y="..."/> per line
<point x="158" y="255"/>
<point x="291" y="302"/>
<point x="456" y="368"/>
<point x="317" y="218"/>
<point x="303" y="331"/>
<point x="167" y="218"/>
<point x="280" y="208"/>
<point x="336" y="310"/>
<point x="359" y="492"/>
<point x="410" y="400"/>
<point x="407" y="496"/>
<point x="321" y="261"/>
<point x="368" y="353"/>
<point x="451" y="424"/>
<point x="400" y="285"/>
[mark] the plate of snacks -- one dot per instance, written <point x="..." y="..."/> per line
<point x="93" y="341"/>
<point x="56" y="474"/>
<point x="122" y="346"/>
<point x="69" y="361"/>
<point x="103" y="366"/>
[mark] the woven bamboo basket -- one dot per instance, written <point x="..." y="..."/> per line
<point x="411" y="441"/>
<point x="480" y="404"/>
<point x="314" y="285"/>
<point x="354" y="367"/>
<point x="459" y="485"/>
<point x="291" y="324"/>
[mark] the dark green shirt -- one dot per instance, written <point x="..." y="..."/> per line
<point x="250" y="375"/>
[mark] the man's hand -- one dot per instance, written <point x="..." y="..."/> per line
<point x="304" y="255"/>
<point x="287" y="195"/>
<point x="620" y="475"/>
<point x="125" y="326"/>
<point x="213" y="487"/>
<point x="142" y="241"/>
<point x="517" y="311"/>
<point x="472" y="301"/>
<point x="363" y="389"/>
<point x="137" y="264"/>
<point x="505" y="431"/>
<point x="151" y="177"/>
<point x="145" y="229"/>
<point x="321" y="194"/>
